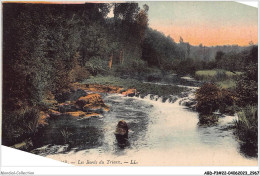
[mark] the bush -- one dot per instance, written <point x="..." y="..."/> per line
<point x="227" y="102"/>
<point x="247" y="87"/>
<point x="210" y="98"/>
<point x="97" y="66"/>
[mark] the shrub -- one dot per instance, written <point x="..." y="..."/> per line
<point x="247" y="87"/>
<point x="211" y="98"/>
<point x="227" y="102"/>
<point x="208" y="97"/>
<point x="97" y="66"/>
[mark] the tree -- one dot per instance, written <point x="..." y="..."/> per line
<point x="219" y="56"/>
<point x="247" y="84"/>
<point x="181" y="40"/>
<point x="142" y="22"/>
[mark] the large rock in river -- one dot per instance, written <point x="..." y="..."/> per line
<point x="92" y="102"/>
<point x="129" y="92"/>
<point x="121" y="133"/>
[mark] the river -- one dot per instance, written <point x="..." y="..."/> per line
<point x="161" y="134"/>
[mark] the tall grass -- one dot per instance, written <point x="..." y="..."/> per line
<point x="65" y="134"/>
<point x="19" y="125"/>
<point x="246" y="128"/>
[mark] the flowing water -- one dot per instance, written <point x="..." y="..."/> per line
<point x="161" y="133"/>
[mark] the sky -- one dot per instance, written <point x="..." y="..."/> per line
<point x="209" y="23"/>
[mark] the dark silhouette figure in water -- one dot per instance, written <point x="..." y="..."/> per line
<point x="121" y="133"/>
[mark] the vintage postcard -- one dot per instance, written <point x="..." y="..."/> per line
<point x="140" y="83"/>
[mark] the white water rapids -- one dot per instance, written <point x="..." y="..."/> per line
<point x="161" y="134"/>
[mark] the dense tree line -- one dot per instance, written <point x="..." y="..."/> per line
<point x="47" y="47"/>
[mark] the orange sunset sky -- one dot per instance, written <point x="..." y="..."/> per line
<point x="209" y="23"/>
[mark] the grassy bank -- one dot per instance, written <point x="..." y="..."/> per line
<point x="228" y="92"/>
<point x="224" y="79"/>
<point x="246" y="130"/>
<point x="142" y="88"/>
<point x="211" y="73"/>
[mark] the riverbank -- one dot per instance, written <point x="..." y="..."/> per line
<point x="143" y="88"/>
<point x="85" y="100"/>
<point x="164" y="129"/>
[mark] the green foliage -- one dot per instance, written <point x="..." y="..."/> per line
<point x="219" y="56"/>
<point x="97" y="66"/>
<point x="47" y="47"/>
<point x="61" y="81"/>
<point x="158" y="49"/>
<point x="43" y="53"/>
<point x="187" y="66"/>
<point x="247" y="91"/>
<point x="247" y="83"/>
<point x="126" y="11"/>
<point x="246" y="129"/>
<point x="210" y="98"/>
<point x="221" y="75"/>
<point x="130" y="68"/>
<point x="19" y="124"/>
<point x="232" y="61"/>
<point x="224" y="79"/>
<point x="215" y="75"/>
<point x="227" y="84"/>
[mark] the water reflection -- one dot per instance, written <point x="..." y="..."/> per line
<point x="78" y="134"/>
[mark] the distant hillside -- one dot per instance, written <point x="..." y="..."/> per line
<point x="208" y="53"/>
<point x="163" y="51"/>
